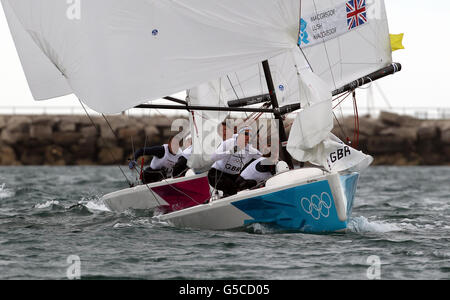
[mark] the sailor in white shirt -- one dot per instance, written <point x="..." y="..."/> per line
<point x="181" y="167"/>
<point x="256" y="173"/>
<point x="259" y="171"/>
<point x="164" y="159"/>
<point x="230" y="158"/>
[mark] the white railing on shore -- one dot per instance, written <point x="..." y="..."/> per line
<point x="424" y="113"/>
<point x="73" y="110"/>
<point x="427" y="113"/>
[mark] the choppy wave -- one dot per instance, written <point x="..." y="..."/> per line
<point x="91" y="205"/>
<point x="5" y="192"/>
<point x="408" y="232"/>
<point x="46" y="204"/>
<point x="95" y="204"/>
<point x="140" y="222"/>
<point x="260" y="228"/>
<point x="122" y="225"/>
<point x="362" y="224"/>
<point x="355" y="225"/>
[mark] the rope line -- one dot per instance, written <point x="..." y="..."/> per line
<point x="104" y="143"/>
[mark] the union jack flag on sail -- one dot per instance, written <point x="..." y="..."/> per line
<point x="356" y="13"/>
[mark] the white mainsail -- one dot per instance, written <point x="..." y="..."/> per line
<point x="204" y="125"/>
<point x="344" y="40"/>
<point x="335" y="50"/>
<point x="251" y="81"/>
<point x="44" y="78"/>
<point x="116" y="54"/>
<point x="341" y="42"/>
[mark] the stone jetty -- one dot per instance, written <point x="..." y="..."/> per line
<point x="73" y="140"/>
<point x="400" y="140"/>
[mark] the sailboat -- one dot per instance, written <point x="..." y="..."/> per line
<point x="254" y="56"/>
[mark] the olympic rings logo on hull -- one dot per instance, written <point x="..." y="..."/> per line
<point x="317" y="206"/>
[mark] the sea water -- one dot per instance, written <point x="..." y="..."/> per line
<point x="53" y="225"/>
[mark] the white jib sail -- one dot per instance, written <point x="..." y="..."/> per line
<point x="315" y="120"/>
<point x="205" y="125"/>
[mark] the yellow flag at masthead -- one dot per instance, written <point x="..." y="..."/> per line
<point x="396" y="41"/>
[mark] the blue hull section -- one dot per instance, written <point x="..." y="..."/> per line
<point x="307" y="208"/>
<point x="349" y="182"/>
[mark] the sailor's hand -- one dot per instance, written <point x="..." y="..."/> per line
<point x="132" y="164"/>
<point x="233" y="150"/>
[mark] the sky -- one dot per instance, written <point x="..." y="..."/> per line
<point x="422" y="83"/>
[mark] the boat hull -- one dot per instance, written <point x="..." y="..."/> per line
<point x="315" y="204"/>
<point x="168" y="195"/>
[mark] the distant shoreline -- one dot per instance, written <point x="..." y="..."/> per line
<point x="67" y="140"/>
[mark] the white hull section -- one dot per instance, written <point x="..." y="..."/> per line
<point x="148" y="196"/>
<point x="304" y="199"/>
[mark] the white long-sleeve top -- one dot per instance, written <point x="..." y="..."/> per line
<point x="228" y="159"/>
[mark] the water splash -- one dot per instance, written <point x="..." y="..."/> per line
<point x="94" y="204"/>
<point x="140" y="222"/>
<point x="5" y="192"/>
<point x="160" y="223"/>
<point x="362" y="224"/>
<point x="46" y="204"/>
<point x="122" y="225"/>
<point x="260" y="228"/>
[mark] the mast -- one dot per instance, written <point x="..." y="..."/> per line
<point x="284" y="154"/>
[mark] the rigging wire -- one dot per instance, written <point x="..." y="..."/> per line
<point x="112" y="155"/>
<point x="342" y="100"/>
<point x="132" y="148"/>
<point x="104" y="143"/>
<point x="164" y="179"/>
<point x="341" y="127"/>
<point x="110" y="127"/>
<point x="356" y="133"/>
<point x="141" y="173"/>
<point x="232" y="86"/>
<point x="178" y="190"/>
<point x="299" y="32"/>
<point x="326" y="51"/>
